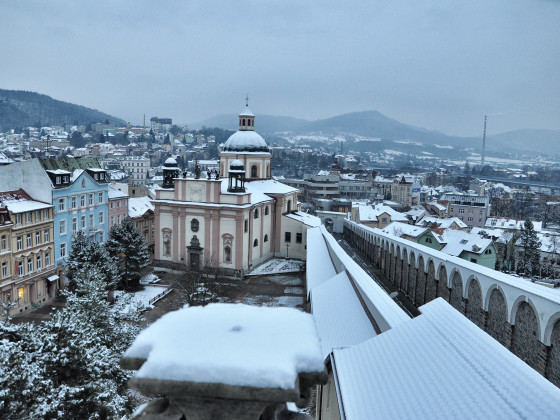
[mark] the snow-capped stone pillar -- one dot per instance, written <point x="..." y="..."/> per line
<point x="226" y="361"/>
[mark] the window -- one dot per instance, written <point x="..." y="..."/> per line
<point x="255" y="243"/>
<point x="473" y="260"/>
<point x="288" y="237"/>
<point x="4" y="269"/>
<point x="461" y="211"/>
<point x="30" y="265"/>
<point x="47" y="259"/>
<point x="20" y="268"/>
<point x="18" y="219"/>
<point x="119" y="219"/>
<point x="73" y="202"/>
<point x="90" y="199"/>
<point x="463" y="241"/>
<point x="488" y="251"/>
<point x="254" y="171"/>
<point x="37" y="215"/>
<point x="298" y="238"/>
<point x="46" y="214"/>
<point x="58" y="179"/>
<point x="227" y="254"/>
<point x="289" y="206"/>
<point x="83" y="220"/>
<point x="100" y="197"/>
<point x="82" y="200"/>
<point x="61" y="204"/>
<point x="62" y="227"/>
<point x="112" y="220"/>
<point x="19" y="243"/>
<point x="266" y="211"/>
<point x="383" y="220"/>
<point x="91" y="220"/>
<point x="265" y="238"/>
<point x="246" y="226"/>
<point x="63" y="250"/>
<point x="28" y="217"/>
<point x="74" y="225"/>
<point x="429" y="240"/>
<point x="39" y="262"/>
<point x="256" y="213"/>
<point x="4" y="242"/>
<point x="37" y="238"/>
<point x="46" y="235"/>
<point x="112" y="204"/>
<point x="101" y="218"/>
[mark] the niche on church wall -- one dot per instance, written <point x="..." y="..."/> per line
<point x="227" y="240"/>
<point x="195" y="225"/>
<point x="166" y="236"/>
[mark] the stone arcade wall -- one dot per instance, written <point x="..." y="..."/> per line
<point x="522" y="316"/>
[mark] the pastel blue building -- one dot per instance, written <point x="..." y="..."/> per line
<point x="79" y="197"/>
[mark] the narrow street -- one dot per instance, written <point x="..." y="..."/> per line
<point x="377" y="275"/>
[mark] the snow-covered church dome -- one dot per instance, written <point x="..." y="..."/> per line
<point x="246" y="139"/>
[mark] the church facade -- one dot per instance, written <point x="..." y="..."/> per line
<point x="233" y="219"/>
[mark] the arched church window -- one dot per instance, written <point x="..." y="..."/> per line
<point x="255" y="243"/>
<point x="254" y="171"/>
<point x="256" y="213"/>
<point x="266" y="211"/>
<point x="265" y="238"/>
<point x="227" y="254"/>
<point x="243" y="122"/>
<point x="195" y="224"/>
<point x="289" y="206"/>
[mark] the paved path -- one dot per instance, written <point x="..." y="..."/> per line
<point x="376" y="274"/>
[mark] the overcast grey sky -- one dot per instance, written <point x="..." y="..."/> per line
<point x="436" y="64"/>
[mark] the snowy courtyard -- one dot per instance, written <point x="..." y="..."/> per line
<point x="278" y="266"/>
<point x="145" y="299"/>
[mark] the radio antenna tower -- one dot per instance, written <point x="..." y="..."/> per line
<point x="483" y="141"/>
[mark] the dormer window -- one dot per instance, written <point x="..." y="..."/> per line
<point x="102" y="175"/>
<point x="96" y="177"/>
<point x="66" y="179"/>
<point x="58" y="180"/>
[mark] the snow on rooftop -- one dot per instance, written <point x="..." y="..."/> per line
<point x="138" y="206"/>
<point x="114" y="193"/>
<point x="371" y="213"/>
<point x="232" y="344"/>
<point x="459" y="371"/>
<point x="319" y="264"/>
<point x="305" y="218"/>
<point x="340" y="318"/>
<point x="76" y="174"/>
<point x="400" y="229"/>
<point x="458" y="241"/>
<point x="21" y="205"/>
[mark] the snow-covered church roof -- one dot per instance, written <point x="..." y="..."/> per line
<point x="245" y="141"/>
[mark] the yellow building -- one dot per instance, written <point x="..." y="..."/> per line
<point x="26" y="251"/>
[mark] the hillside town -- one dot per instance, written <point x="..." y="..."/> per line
<point x="163" y="199"/>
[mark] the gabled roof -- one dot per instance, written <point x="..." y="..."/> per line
<point x="19" y="201"/>
<point x="444" y="223"/>
<point x="511" y="224"/>
<point x="371" y="213"/>
<point x="458" y="371"/>
<point x="400" y="229"/>
<point x="458" y="241"/>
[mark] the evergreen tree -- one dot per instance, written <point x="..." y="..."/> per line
<point x="69" y="367"/>
<point x="128" y="248"/>
<point x="529" y="244"/>
<point x="87" y="251"/>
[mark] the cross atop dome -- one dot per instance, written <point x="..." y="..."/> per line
<point x="246" y="118"/>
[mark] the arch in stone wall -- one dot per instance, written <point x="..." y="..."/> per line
<point x="431" y="285"/>
<point x="515" y="307"/>
<point x="456" y="296"/>
<point x="398" y="267"/>
<point x="473" y="310"/>
<point x="419" y="293"/>
<point x="412" y="273"/>
<point x="553" y="367"/>
<point x="549" y="327"/>
<point x="497" y="309"/>
<point x="391" y="271"/>
<point x="443" y="285"/>
<point x="404" y="272"/>
<point x="525" y="341"/>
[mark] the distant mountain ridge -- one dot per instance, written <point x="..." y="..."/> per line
<point x="20" y="108"/>
<point x="373" y="124"/>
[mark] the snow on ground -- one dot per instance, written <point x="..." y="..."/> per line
<point x="141" y="299"/>
<point x="233" y="344"/>
<point x="278" y="266"/>
<point x="149" y="279"/>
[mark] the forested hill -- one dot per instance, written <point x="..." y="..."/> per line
<point x="20" y="109"/>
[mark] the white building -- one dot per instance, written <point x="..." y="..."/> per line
<point x="232" y="219"/>
<point x="138" y="168"/>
